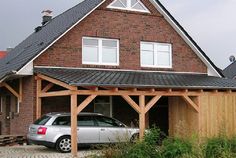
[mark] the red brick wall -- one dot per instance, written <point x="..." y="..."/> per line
<point x="130" y="28"/>
<point x="20" y="123"/>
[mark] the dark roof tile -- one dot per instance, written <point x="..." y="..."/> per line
<point x="37" y="41"/>
<point x="138" y="79"/>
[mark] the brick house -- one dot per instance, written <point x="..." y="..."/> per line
<point x="129" y="59"/>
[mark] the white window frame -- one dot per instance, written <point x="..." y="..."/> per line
<point x="100" y="52"/>
<point x="156" y="44"/>
<point x="129" y="7"/>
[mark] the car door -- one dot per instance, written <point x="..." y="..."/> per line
<point x="88" y="133"/>
<point x="111" y="130"/>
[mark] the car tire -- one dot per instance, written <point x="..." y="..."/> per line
<point x="63" y="144"/>
<point x="134" y="138"/>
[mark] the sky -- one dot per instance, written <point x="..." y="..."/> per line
<point x="211" y="23"/>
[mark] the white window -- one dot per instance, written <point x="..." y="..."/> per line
<point x="100" y="51"/>
<point x="157" y="55"/>
<point x="103" y="105"/>
<point x="133" y="5"/>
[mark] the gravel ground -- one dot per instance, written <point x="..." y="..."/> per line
<point x="40" y="152"/>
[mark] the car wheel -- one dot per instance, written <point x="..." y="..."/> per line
<point x="64" y="144"/>
<point x="134" y="138"/>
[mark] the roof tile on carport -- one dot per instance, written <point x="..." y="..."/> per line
<point x="138" y="79"/>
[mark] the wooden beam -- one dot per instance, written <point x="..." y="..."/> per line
<point x="151" y="103"/>
<point x="134" y="90"/>
<point x="85" y="103"/>
<point x="132" y="103"/>
<point x="55" y="94"/>
<point x="20" y="90"/>
<point x="137" y="93"/>
<point x="74" y="135"/>
<point x="47" y="87"/>
<point x="115" y="89"/>
<point x="215" y="91"/>
<point x="201" y="91"/>
<point x="141" y="116"/>
<point x="38" y="99"/>
<point x="11" y="90"/>
<point x="191" y="103"/>
<point x="57" y="82"/>
<point x="152" y="90"/>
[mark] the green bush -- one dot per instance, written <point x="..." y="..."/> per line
<point x="152" y="136"/>
<point x="233" y="145"/>
<point x="176" y="148"/>
<point x="152" y="147"/>
<point x="219" y="147"/>
<point x="146" y="148"/>
<point x="141" y="150"/>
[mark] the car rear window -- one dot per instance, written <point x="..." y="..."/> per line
<point x="43" y="120"/>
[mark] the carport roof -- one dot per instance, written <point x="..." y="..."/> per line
<point x="135" y="79"/>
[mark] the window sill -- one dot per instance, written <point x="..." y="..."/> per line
<point x="157" y="69"/>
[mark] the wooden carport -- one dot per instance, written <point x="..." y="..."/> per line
<point x="191" y="98"/>
<point x="196" y="96"/>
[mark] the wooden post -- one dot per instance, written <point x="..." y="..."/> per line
<point x="20" y="90"/>
<point x="147" y="120"/>
<point x="38" y="98"/>
<point x="74" y="136"/>
<point x="141" y="116"/>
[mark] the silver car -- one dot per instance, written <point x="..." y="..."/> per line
<point x="53" y="131"/>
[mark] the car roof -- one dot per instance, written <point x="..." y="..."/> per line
<point x="68" y="114"/>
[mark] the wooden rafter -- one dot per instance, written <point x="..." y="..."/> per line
<point x="85" y="103"/>
<point x="151" y="103"/>
<point x="55" y="93"/>
<point x="191" y="103"/>
<point x="57" y="82"/>
<point x="47" y="87"/>
<point x="20" y="90"/>
<point x="18" y="94"/>
<point x="132" y="103"/>
<point x="8" y="87"/>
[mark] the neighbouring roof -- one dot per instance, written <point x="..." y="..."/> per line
<point x="39" y="41"/>
<point x="3" y="54"/>
<point x="137" y="79"/>
<point x="230" y="71"/>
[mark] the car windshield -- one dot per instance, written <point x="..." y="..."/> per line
<point x="42" y="121"/>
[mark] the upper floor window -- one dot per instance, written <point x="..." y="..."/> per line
<point x="158" y="55"/>
<point x="100" y="51"/>
<point x="133" y="5"/>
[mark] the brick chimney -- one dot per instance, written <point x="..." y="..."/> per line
<point x="47" y="16"/>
